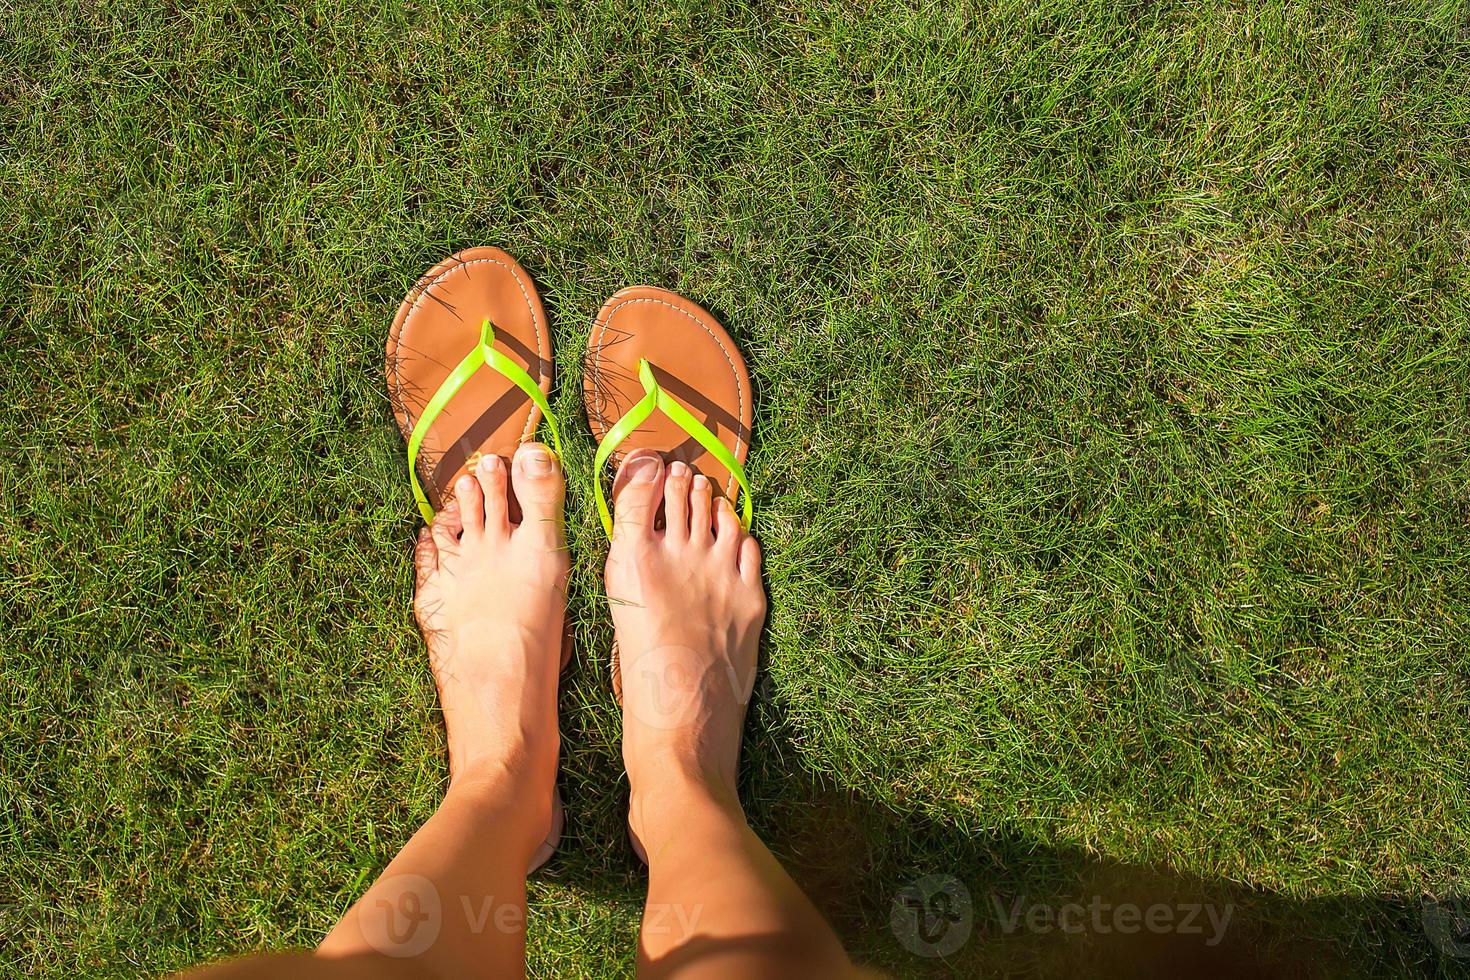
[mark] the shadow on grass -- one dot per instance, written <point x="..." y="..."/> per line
<point x="915" y="897"/>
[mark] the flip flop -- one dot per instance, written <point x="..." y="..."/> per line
<point x="477" y="309"/>
<point x="662" y="374"/>
<point x="469" y="368"/>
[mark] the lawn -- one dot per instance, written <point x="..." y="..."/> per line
<point x="1112" y="450"/>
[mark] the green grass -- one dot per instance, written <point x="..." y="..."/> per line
<point x="1112" y="444"/>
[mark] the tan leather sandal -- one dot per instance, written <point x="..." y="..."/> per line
<point x="662" y="374"/>
<point x="469" y="368"/>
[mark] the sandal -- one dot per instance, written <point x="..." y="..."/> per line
<point x="476" y="309"/>
<point x="662" y="374"/>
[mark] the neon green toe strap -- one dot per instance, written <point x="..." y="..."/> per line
<point x="656" y="398"/>
<point x="483" y="354"/>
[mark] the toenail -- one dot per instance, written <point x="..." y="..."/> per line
<point x="464" y="484"/>
<point x="679" y="470"/>
<point x="701" y="482"/>
<point x="535" y="461"/>
<point x="644" y="469"/>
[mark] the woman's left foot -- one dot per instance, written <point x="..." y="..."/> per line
<point x="491" y="600"/>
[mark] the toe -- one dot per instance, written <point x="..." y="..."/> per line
<point x="750" y="562"/>
<point x="446" y="527"/>
<point x="425" y="558"/>
<point x="636" y="494"/>
<point x="676" y="501"/>
<point x="471" y="506"/>
<point x="491" y="472"/>
<point x="727" y="527"/>
<point x="701" y="501"/>
<point x="539" y="486"/>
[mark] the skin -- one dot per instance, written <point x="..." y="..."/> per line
<point x="687" y="608"/>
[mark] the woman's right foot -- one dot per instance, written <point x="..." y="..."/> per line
<point x="687" y="606"/>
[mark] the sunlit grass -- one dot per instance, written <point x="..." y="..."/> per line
<point x="1111" y="450"/>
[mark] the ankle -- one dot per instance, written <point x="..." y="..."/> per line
<point x="502" y="735"/>
<point x="669" y="794"/>
<point x="507" y="774"/>
<point x="516" y="802"/>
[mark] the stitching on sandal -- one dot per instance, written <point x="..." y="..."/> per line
<point x="422" y="288"/>
<point x="606" y="319"/>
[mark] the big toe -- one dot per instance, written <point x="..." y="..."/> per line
<point x="637" y="492"/>
<point x="539" y="487"/>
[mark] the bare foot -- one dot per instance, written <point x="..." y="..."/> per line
<point x="687" y="605"/>
<point x="491" y="599"/>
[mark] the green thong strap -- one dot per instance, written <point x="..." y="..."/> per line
<point x="483" y="354"/>
<point x="656" y="398"/>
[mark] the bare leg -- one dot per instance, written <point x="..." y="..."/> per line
<point x="491" y="600"/>
<point x="688" y="606"/>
